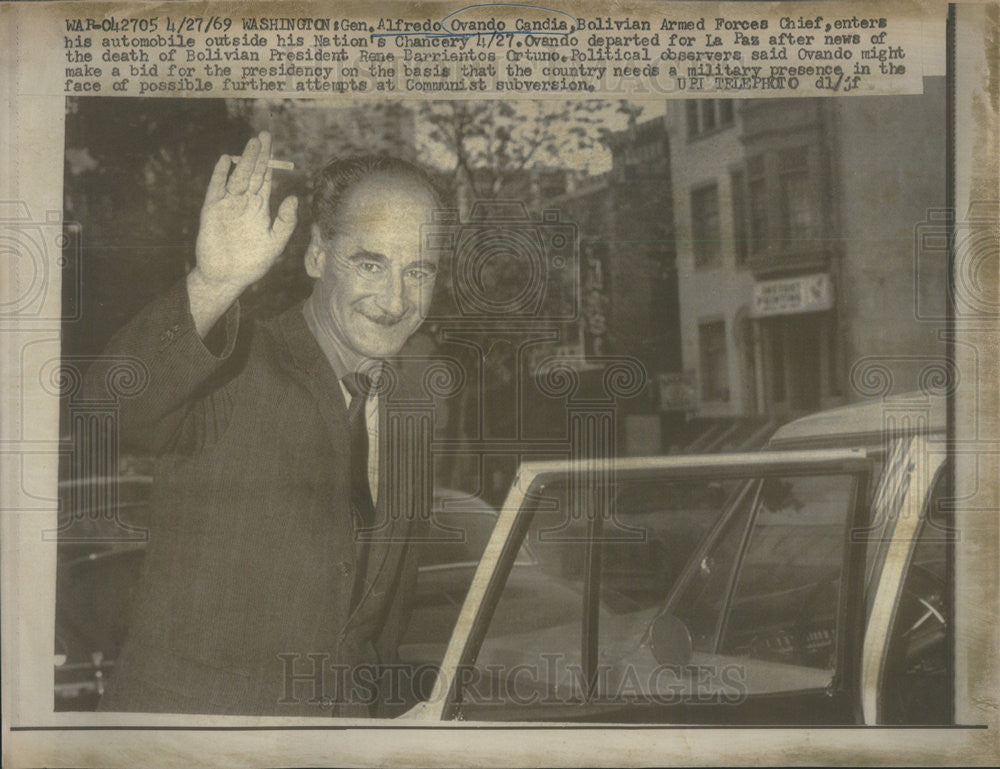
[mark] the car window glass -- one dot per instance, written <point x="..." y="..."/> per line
<point x="656" y="528"/>
<point x="460" y="537"/>
<point x="532" y="648"/>
<point x="448" y="560"/>
<point x="784" y="607"/>
<point x="675" y="523"/>
<point x="757" y="602"/>
<point x="757" y="609"/>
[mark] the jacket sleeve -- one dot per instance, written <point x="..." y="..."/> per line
<point x="185" y="390"/>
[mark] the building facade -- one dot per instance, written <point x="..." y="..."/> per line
<point x="795" y="222"/>
<point x="589" y="206"/>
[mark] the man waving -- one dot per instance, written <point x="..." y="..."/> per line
<point x="258" y="595"/>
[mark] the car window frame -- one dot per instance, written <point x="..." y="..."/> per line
<point x="888" y="581"/>
<point x="492" y="571"/>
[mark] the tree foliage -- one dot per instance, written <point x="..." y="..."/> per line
<point x="494" y="144"/>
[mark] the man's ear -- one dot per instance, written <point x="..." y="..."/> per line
<point x="315" y="255"/>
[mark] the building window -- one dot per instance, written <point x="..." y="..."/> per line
<point x="798" y="215"/>
<point x="740" y="235"/>
<point x="705" y="225"/>
<point x="707" y="115"/>
<point x="757" y="204"/>
<point x="714" y="366"/>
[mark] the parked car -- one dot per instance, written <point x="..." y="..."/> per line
<point x="821" y="595"/>
<point x="102" y="539"/>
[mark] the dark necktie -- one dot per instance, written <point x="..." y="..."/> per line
<point x="359" y="386"/>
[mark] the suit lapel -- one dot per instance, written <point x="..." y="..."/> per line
<point x="310" y="366"/>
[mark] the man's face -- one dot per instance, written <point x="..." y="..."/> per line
<point x="374" y="285"/>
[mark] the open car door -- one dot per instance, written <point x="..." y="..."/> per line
<point x="765" y="624"/>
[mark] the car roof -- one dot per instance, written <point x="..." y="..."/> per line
<point x="866" y="422"/>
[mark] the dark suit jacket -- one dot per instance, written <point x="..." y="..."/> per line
<point x="243" y="606"/>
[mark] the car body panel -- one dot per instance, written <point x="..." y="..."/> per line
<point x="870" y="423"/>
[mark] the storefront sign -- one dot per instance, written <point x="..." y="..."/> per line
<point x="677" y="391"/>
<point x="790" y="296"/>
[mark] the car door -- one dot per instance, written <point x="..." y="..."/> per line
<point x="763" y="626"/>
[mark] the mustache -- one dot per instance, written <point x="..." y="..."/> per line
<point x="383" y="318"/>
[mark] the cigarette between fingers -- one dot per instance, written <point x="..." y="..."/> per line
<point x="278" y="165"/>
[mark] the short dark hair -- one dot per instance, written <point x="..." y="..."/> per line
<point x="333" y="181"/>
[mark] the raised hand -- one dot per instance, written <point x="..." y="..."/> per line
<point x="237" y="241"/>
